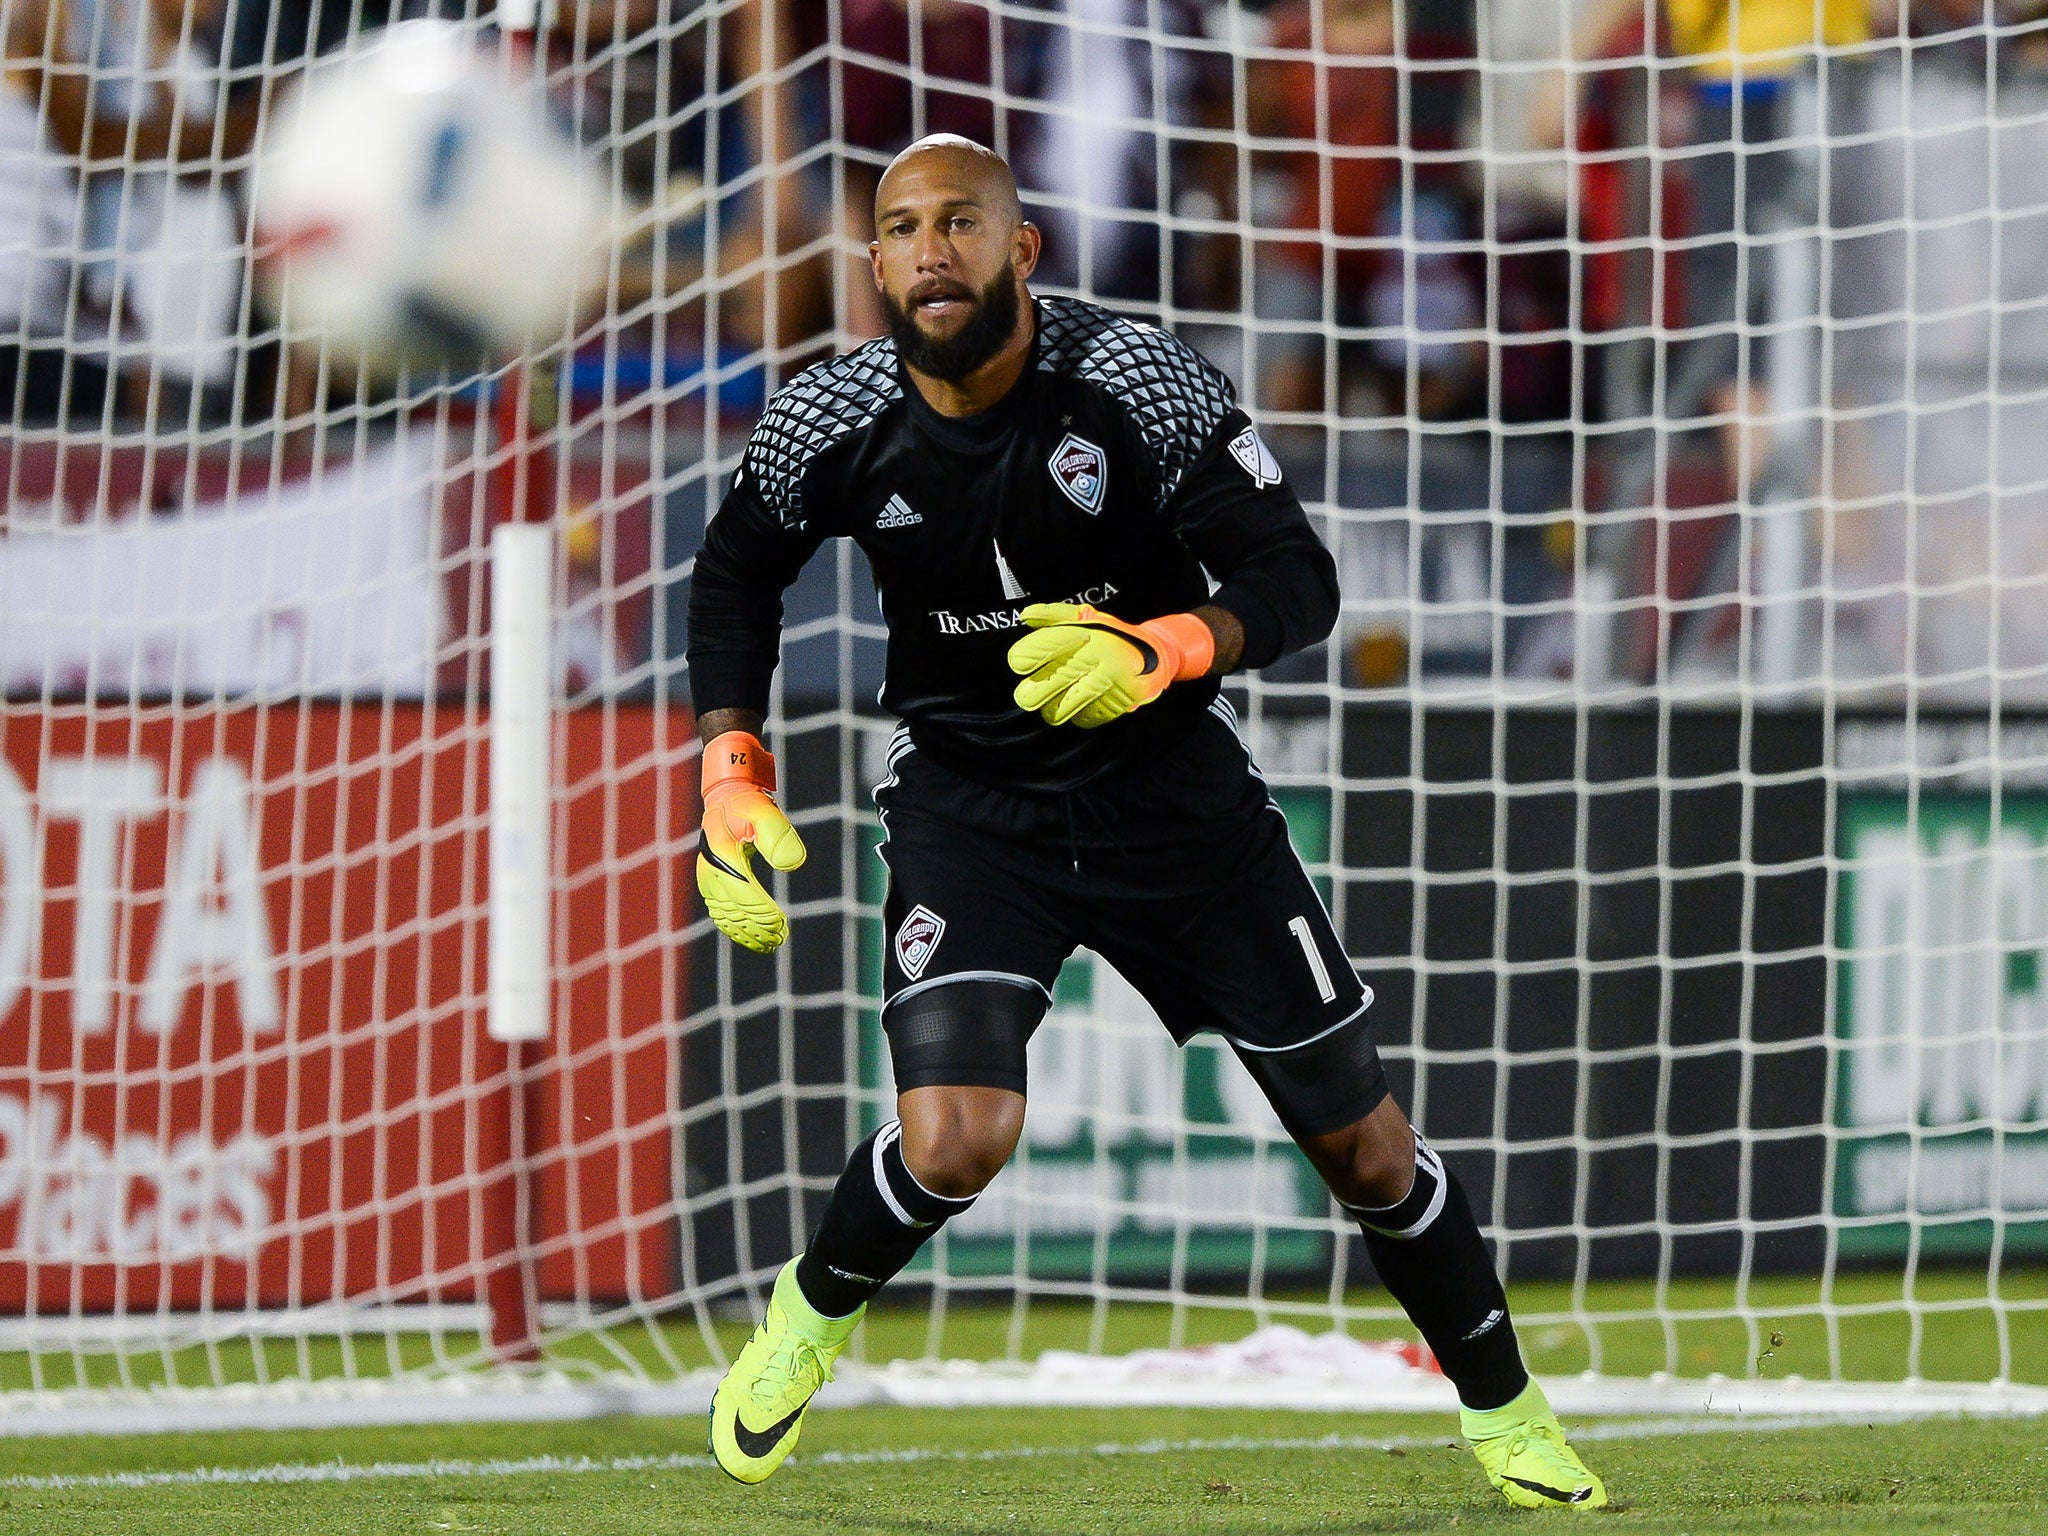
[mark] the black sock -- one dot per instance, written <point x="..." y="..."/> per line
<point x="877" y="1219"/>
<point x="1429" y="1253"/>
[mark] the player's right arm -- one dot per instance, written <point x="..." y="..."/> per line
<point x="750" y="555"/>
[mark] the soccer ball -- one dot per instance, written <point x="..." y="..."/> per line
<point x="416" y="205"/>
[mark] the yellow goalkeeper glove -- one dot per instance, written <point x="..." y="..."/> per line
<point x="741" y="817"/>
<point x="1084" y="667"/>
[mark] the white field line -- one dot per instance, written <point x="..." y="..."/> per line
<point x="530" y="1466"/>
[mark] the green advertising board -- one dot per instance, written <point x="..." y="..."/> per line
<point x="1138" y="1159"/>
<point x="1941" y="1104"/>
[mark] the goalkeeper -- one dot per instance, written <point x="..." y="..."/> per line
<point x="1039" y="487"/>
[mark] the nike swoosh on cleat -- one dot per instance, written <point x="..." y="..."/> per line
<point x="759" y="1442"/>
<point x="1574" y="1496"/>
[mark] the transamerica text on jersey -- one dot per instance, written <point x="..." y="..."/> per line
<point x="951" y="623"/>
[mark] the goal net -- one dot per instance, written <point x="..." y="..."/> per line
<point x="1665" y="379"/>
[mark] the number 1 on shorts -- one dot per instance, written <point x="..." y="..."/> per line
<point x="1299" y="927"/>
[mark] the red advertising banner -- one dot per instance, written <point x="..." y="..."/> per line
<point x="242" y="1050"/>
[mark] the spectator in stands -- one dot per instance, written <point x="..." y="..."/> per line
<point x="167" y="254"/>
<point x="777" y="298"/>
<point x="1540" y="373"/>
<point x="1519" y="93"/>
<point x="1087" y="141"/>
<point x="1063" y="85"/>
<point x="1949" y="29"/>
<point x="1744" y="61"/>
<point x="895" y="89"/>
<point x="1739" y="177"/>
<point x="1552" y="103"/>
<point x="1326" y="183"/>
<point x="1525" y="93"/>
<point x="771" y="297"/>
<point x="1425" y="309"/>
<point x="123" y="97"/>
<point x="1203" y="198"/>
<point x="884" y="106"/>
<point x="1734" y="179"/>
<point x="707" y="139"/>
<point x="38" y="216"/>
<point x="284" y="35"/>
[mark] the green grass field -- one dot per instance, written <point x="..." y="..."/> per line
<point x="1064" y="1473"/>
<point x="1868" y="1332"/>
<point x="1069" y="1472"/>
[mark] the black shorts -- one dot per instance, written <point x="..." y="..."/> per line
<point x="1180" y="875"/>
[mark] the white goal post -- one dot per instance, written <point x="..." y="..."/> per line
<point x="1677" y="775"/>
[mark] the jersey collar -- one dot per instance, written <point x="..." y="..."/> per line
<point x="986" y="430"/>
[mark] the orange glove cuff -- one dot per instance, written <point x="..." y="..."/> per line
<point x="737" y="757"/>
<point x="1188" y="643"/>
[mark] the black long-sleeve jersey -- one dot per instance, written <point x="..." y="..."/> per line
<point x="1115" y="472"/>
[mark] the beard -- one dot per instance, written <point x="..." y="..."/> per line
<point x="952" y="358"/>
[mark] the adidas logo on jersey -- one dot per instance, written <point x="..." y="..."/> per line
<point x="898" y="514"/>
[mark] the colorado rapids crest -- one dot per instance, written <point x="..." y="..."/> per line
<point x="1081" y="470"/>
<point x="916" y="938"/>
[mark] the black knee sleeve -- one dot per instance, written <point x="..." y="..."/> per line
<point x="969" y="1033"/>
<point x="1325" y="1085"/>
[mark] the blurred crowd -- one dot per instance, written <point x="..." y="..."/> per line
<point x="1313" y="165"/>
<point x="1361" y="209"/>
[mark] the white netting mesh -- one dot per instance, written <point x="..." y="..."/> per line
<point x="1673" y="775"/>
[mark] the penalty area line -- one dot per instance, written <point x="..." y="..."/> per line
<point x="532" y="1466"/>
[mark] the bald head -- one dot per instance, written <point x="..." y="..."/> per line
<point x="974" y="171"/>
<point x="951" y="256"/>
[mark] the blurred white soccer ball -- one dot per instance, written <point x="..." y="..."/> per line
<point x="419" y="206"/>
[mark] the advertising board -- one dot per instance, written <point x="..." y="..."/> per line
<point x="1941" y="1107"/>
<point x="242" y="1058"/>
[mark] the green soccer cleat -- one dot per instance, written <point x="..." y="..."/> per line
<point x="758" y="1410"/>
<point x="1522" y="1447"/>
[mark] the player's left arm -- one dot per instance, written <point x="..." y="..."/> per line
<point x="1277" y="593"/>
<point x="1237" y="514"/>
